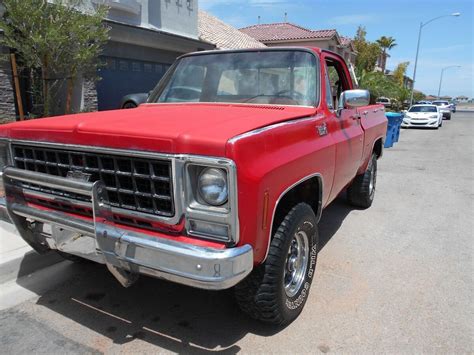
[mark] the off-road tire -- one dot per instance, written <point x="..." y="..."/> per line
<point x="360" y="193"/>
<point x="262" y="294"/>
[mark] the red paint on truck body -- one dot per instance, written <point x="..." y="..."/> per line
<point x="287" y="149"/>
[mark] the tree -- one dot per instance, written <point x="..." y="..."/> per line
<point x="61" y="39"/>
<point x="418" y="96"/>
<point x="367" y="52"/>
<point x="379" y="85"/>
<point x="399" y="73"/>
<point x="386" y="43"/>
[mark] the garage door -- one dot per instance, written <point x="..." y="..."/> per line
<point x="121" y="76"/>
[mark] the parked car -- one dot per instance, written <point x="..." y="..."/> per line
<point x="423" y="102"/>
<point x="133" y="100"/>
<point x="444" y="108"/>
<point x="452" y="106"/>
<point x="219" y="181"/>
<point x="384" y="101"/>
<point x="428" y="116"/>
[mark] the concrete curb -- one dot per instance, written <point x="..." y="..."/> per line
<point x="18" y="259"/>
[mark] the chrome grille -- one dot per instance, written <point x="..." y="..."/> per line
<point x="132" y="183"/>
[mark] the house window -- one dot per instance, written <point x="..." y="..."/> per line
<point x="147" y="68"/>
<point x="136" y="67"/>
<point x="158" y="68"/>
<point x="123" y="65"/>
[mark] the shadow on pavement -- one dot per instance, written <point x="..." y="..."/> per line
<point x="171" y="316"/>
<point x="332" y="218"/>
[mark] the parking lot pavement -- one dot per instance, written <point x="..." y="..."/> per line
<point x="395" y="278"/>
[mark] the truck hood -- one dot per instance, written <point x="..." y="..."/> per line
<point x="194" y="128"/>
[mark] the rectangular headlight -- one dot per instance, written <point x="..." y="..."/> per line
<point x="210" y="198"/>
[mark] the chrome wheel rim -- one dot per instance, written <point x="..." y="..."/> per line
<point x="296" y="263"/>
<point x="372" y="181"/>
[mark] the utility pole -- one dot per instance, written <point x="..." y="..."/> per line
<point x="441" y="77"/>
<point x="456" y="14"/>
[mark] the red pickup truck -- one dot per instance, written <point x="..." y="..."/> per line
<point x="218" y="181"/>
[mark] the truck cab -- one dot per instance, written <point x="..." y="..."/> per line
<point x="218" y="181"/>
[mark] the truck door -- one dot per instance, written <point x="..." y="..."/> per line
<point x="346" y="126"/>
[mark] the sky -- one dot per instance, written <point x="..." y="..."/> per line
<point x="444" y="42"/>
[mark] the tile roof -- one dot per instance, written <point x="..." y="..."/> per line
<point x="285" y="31"/>
<point x="223" y="35"/>
<point x="345" y="41"/>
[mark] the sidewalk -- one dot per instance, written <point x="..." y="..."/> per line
<point x="17" y="258"/>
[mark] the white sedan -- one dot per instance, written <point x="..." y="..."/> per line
<point x="423" y="116"/>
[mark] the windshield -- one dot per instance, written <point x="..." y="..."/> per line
<point x="267" y="77"/>
<point x="422" y="109"/>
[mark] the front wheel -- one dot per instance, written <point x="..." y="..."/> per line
<point x="361" y="192"/>
<point x="276" y="291"/>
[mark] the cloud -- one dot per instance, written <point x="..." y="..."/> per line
<point x="355" y="19"/>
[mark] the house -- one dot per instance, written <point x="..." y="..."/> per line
<point x="462" y="98"/>
<point x="146" y="36"/>
<point x="407" y="81"/>
<point x="289" y="34"/>
<point x="382" y="62"/>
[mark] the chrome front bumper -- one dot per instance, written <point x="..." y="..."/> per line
<point x="125" y="253"/>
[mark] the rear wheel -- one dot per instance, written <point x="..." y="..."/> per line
<point x="276" y="291"/>
<point x="448" y="117"/>
<point x="361" y="192"/>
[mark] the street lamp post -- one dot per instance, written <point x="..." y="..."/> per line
<point x="441" y="77"/>
<point x="418" y="48"/>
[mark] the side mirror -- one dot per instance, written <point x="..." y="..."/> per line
<point x="354" y="98"/>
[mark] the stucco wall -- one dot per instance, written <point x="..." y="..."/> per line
<point x="174" y="16"/>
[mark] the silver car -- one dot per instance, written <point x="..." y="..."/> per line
<point x="444" y="107"/>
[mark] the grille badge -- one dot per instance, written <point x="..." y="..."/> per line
<point x="78" y="175"/>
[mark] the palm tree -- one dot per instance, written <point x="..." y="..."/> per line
<point x="386" y="43"/>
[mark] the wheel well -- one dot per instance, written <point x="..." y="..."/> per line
<point x="130" y="101"/>
<point x="308" y="191"/>
<point x="378" y="148"/>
